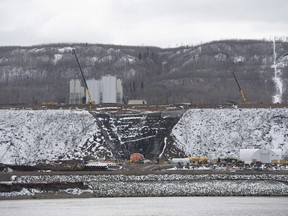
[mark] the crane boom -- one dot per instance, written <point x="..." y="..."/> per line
<point x="240" y="90"/>
<point x="90" y="101"/>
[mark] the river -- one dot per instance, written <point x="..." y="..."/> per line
<point x="236" y="206"/>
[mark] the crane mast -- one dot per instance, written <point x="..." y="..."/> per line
<point x="90" y="101"/>
<point x="240" y="90"/>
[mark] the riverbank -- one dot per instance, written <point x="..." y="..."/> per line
<point x="117" y="184"/>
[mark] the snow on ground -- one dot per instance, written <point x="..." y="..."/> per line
<point x="35" y="50"/>
<point x="29" y="136"/>
<point x="222" y="133"/>
<point x="127" y="59"/>
<point x="277" y="98"/>
<point x="159" y="185"/>
<point x="57" y="57"/>
<point x="65" y="49"/>
<point x="238" y="59"/>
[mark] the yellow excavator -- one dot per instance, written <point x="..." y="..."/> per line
<point x="244" y="100"/>
<point x="90" y="101"/>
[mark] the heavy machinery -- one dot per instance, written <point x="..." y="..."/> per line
<point x="240" y="90"/>
<point x="90" y="101"/>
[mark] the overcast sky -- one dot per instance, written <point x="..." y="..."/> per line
<point x="164" y="23"/>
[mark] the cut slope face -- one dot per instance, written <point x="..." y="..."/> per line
<point x="30" y="136"/>
<point x="34" y="136"/>
<point x="222" y="132"/>
<point x="143" y="132"/>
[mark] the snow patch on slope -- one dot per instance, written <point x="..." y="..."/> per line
<point x="65" y="49"/>
<point x="238" y="59"/>
<point x="124" y="60"/>
<point x="30" y="136"/>
<point x="223" y="132"/>
<point x="36" y="50"/>
<point x="277" y="98"/>
<point x="57" y="57"/>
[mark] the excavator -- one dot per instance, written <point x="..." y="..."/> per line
<point x="90" y="101"/>
<point x="244" y="100"/>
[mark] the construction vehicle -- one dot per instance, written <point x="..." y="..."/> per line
<point x="240" y="90"/>
<point x="90" y="101"/>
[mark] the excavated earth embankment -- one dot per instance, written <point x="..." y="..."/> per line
<point x="33" y="136"/>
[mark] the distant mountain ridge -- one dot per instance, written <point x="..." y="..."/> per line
<point x="193" y="74"/>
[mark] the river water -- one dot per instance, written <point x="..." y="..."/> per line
<point x="236" y="206"/>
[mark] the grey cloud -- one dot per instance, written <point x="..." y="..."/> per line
<point x="216" y="10"/>
<point x="34" y="21"/>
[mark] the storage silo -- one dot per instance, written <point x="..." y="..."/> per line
<point x="109" y="89"/>
<point x="77" y="92"/>
<point x="119" y="91"/>
<point x="94" y="87"/>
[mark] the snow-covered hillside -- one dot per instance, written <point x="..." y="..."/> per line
<point x="33" y="136"/>
<point x="36" y="136"/>
<point x="222" y="132"/>
<point x="29" y="136"/>
<point x="199" y="74"/>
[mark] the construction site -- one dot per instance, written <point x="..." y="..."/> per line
<point x="54" y="149"/>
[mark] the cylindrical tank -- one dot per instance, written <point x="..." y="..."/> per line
<point x="94" y="87"/>
<point x="109" y="89"/>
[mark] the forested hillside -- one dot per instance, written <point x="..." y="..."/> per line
<point x="196" y="74"/>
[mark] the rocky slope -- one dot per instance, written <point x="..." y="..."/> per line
<point x="36" y="136"/>
<point x="30" y="137"/>
<point x="141" y="132"/>
<point x="45" y="136"/>
<point x="218" y="133"/>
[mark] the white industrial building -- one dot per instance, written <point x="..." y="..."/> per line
<point x="107" y="90"/>
<point x="137" y="102"/>
<point x="77" y="92"/>
<point x="262" y="155"/>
